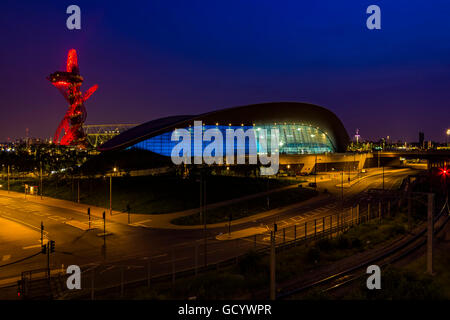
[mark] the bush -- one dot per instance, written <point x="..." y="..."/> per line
<point x="325" y="244"/>
<point x="396" y="229"/>
<point x="313" y="254"/>
<point x="356" y="243"/>
<point x="404" y="285"/>
<point x="217" y="286"/>
<point x="344" y="242"/>
<point x="251" y="264"/>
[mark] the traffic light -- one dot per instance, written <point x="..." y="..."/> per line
<point x="444" y="172"/>
<point x="104" y="215"/>
<point x="275" y="227"/>
<point x="44" y="248"/>
<point x="89" y="211"/>
<point x="52" y="246"/>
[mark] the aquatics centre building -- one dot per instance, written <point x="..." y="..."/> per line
<point x="303" y="128"/>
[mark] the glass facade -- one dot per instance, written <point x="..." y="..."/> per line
<point x="293" y="139"/>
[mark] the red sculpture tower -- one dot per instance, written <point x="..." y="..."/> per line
<point x="68" y="83"/>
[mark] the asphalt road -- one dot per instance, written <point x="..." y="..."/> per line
<point x="129" y="249"/>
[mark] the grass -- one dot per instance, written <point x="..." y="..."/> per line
<point x="149" y="194"/>
<point x="249" y="207"/>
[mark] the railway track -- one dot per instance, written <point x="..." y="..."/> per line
<point x="332" y="282"/>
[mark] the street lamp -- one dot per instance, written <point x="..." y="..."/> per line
<point x="448" y="134"/>
<point x="110" y="191"/>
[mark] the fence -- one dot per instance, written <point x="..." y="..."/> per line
<point x="191" y="260"/>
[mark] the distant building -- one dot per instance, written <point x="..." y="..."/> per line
<point x="421" y="140"/>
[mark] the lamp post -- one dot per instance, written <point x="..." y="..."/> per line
<point x="40" y="176"/>
<point x="110" y="191"/>
<point x="448" y="134"/>
<point x="342" y="190"/>
<point x="315" y="172"/>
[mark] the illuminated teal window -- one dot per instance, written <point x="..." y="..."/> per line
<point x="293" y="139"/>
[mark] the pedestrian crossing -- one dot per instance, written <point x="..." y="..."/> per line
<point x="284" y="223"/>
<point x="95" y="224"/>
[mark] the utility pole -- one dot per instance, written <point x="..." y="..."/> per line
<point x="110" y="191"/>
<point x="378" y="158"/>
<point x="89" y="216"/>
<point x="48" y="260"/>
<point x="110" y="194"/>
<point x="42" y="233"/>
<point x="8" y="178"/>
<point x="272" y="267"/>
<point x="204" y="225"/>
<point x="104" y="229"/>
<point x="128" y="211"/>
<point x="342" y="190"/>
<point x="383" y="177"/>
<point x="40" y="187"/>
<point x="349" y="172"/>
<point x="409" y="206"/>
<point x="430" y="232"/>
<point x="315" y="173"/>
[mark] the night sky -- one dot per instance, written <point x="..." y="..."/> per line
<point x="159" y="58"/>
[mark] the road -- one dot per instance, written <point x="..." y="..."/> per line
<point x="130" y="248"/>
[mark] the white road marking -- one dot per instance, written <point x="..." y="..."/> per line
<point x="159" y="256"/>
<point x="6" y="257"/>
<point x="78" y="224"/>
<point x="140" y="223"/>
<point x="32" y="247"/>
<point x="282" y="223"/>
<point x="57" y="218"/>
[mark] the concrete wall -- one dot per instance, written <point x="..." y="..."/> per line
<point x="325" y="162"/>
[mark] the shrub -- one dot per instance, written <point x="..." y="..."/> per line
<point x="325" y="244"/>
<point x="313" y="254"/>
<point x="344" y="242"/>
<point x="251" y="263"/>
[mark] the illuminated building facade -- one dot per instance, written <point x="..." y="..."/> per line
<point x="303" y="129"/>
